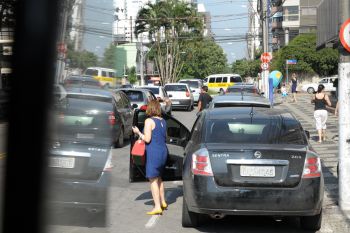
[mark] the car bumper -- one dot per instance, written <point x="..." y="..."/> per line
<point x="80" y="193"/>
<point x="195" y="97"/>
<point x="183" y="103"/>
<point x="204" y="196"/>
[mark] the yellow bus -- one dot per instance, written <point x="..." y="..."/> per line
<point x="220" y="82"/>
<point x="107" y="77"/>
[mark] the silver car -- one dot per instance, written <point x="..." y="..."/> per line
<point x="139" y="98"/>
<point x="195" y="86"/>
<point x="162" y="97"/>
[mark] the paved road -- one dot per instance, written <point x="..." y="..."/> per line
<point x="128" y="203"/>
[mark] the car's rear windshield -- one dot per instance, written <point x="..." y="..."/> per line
<point x="154" y="90"/>
<point x="255" y="131"/>
<point x="192" y="84"/>
<point x="223" y="105"/>
<point x="175" y="88"/>
<point x="246" y="89"/>
<point x="134" y="96"/>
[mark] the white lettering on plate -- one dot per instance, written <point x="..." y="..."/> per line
<point x="216" y="155"/>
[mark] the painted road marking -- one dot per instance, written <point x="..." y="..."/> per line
<point x="154" y="219"/>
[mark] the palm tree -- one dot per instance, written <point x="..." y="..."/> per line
<point x="167" y="22"/>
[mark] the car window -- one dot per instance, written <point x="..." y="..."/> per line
<point x="92" y="72"/>
<point x="125" y="100"/>
<point x="175" y="88"/>
<point x="258" y="131"/>
<point x="324" y="80"/>
<point x="235" y="79"/>
<point x="111" y="74"/>
<point x="211" y="80"/>
<point x="197" y="130"/>
<point x="192" y="84"/>
<point x="104" y="73"/>
<point x="154" y="90"/>
<point x="218" y="80"/>
<point x="135" y="96"/>
<point x="224" y="79"/>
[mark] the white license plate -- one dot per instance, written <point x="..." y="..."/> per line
<point x="176" y="102"/>
<point x="62" y="162"/>
<point x="257" y="171"/>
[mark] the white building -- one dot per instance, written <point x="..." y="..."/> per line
<point x="291" y="19"/>
<point x="254" y="41"/>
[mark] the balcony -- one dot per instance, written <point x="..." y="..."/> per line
<point x="275" y="9"/>
<point x="276" y="25"/>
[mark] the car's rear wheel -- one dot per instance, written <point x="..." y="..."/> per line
<point x="190" y="219"/>
<point x="310" y="90"/>
<point x="120" y="141"/>
<point x="312" y="223"/>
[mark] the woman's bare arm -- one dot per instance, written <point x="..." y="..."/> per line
<point x="328" y="101"/>
<point x="149" y="126"/>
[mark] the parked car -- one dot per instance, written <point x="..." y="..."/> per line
<point x="81" y="81"/>
<point x="327" y="82"/>
<point x="138" y="97"/>
<point x="162" y="97"/>
<point x="251" y="161"/>
<point x="238" y="100"/>
<point x="195" y="86"/>
<point x="247" y="89"/>
<point x="86" y="123"/>
<point x="181" y="95"/>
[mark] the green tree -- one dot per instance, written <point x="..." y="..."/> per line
<point x="132" y="75"/>
<point x="167" y="23"/>
<point x="202" y="58"/>
<point x="108" y="59"/>
<point x="246" y="68"/>
<point x="81" y="59"/>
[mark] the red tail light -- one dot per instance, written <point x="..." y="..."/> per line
<point x="111" y="118"/>
<point x="201" y="163"/>
<point x="187" y="94"/>
<point x="143" y="108"/>
<point x="312" y="167"/>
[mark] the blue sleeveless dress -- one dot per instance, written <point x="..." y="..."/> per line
<point x="157" y="151"/>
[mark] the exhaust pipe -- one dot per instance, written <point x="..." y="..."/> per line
<point x="217" y="215"/>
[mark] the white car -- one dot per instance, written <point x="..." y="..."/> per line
<point x="181" y="95"/>
<point x="162" y="97"/>
<point x="327" y="82"/>
<point x="195" y="85"/>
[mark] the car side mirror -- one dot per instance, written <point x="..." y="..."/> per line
<point x="134" y="106"/>
<point x="170" y="96"/>
<point x="307" y="134"/>
<point x="193" y="90"/>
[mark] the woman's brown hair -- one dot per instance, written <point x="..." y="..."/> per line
<point x="153" y="109"/>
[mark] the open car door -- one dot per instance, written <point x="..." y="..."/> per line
<point x="177" y="138"/>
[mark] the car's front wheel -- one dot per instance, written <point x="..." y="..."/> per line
<point x="120" y="140"/>
<point x="311" y="90"/>
<point x="190" y="219"/>
<point x="312" y="223"/>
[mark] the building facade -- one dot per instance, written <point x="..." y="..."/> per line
<point x="253" y="36"/>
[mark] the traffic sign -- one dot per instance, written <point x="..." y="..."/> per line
<point x="266" y="57"/>
<point x="344" y="35"/>
<point x="265" y="66"/>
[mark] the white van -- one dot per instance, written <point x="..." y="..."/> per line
<point x="220" y="82"/>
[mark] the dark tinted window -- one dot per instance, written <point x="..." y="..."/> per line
<point x="193" y="84"/>
<point x="91" y="72"/>
<point x="111" y="74"/>
<point x="224" y="80"/>
<point x="211" y="80"/>
<point x="104" y="73"/>
<point x="235" y="79"/>
<point x="135" y="96"/>
<point x="246" y="89"/>
<point x="154" y="90"/>
<point x="257" y="131"/>
<point x="218" y="80"/>
<point x="175" y="88"/>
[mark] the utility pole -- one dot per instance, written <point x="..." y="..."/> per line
<point x="141" y="63"/>
<point x="344" y="113"/>
<point x="265" y="44"/>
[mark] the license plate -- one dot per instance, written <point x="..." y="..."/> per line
<point x="62" y="162"/>
<point x="257" y="171"/>
<point x="176" y="102"/>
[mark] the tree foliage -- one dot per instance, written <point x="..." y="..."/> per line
<point x="108" y="59"/>
<point x="309" y="61"/>
<point x="81" y="59"/>
<point x="166" y="23"/>
<point x="246" y="68"/>
<point x="7" y="14"/>
<point x="202" y="58"/>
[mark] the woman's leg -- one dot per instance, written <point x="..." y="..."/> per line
<point x="319" y="135"/>
<point x="161" y="191"/>
<point x="295" y="96"/>
<point x="155" y="192"/>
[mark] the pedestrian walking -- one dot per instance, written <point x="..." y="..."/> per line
<point x="294" y="84"/>
<point x="320" y="100"/>
<point x="204" y="99"/>
<point x="284" y="92"/>
<point x="156" y="150"/>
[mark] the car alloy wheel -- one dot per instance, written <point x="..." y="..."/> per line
<point x="311" y="90"/>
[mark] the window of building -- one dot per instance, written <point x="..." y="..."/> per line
<point x="291" y="13"/>
<point x="309" y="11"/>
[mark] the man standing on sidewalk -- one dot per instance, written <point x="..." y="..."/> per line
<point x="204" y="99"/>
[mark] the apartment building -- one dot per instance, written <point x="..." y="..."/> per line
<point x="254" y="38"/>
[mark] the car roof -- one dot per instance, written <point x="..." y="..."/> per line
<point x="191" y="79"/>
<point x="244" y="112"/>
<point x="229" y="98"/>
<point x="81" y="77"/>
<point x="242" y="86"/>
<point x="89" y="91"/>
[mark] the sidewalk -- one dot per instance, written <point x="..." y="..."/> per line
<point x="334" y="220"/>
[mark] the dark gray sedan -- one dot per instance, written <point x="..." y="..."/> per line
<point x="251" y="161"/>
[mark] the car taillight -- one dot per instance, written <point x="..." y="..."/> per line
<point x="111" y="118"/>
<point x="143" y="108"/>
<point x="201" y="163"/>
<point x="108" y="165"/>
<point x="312" y="166"/>
<point x="187" y="94"/>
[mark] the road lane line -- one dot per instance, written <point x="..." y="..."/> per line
<point x="154" y="219"/>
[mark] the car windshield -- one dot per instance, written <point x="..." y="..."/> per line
<point x="257" y="131"/>
<point x="192" y="84"/>
<point x="175" y="88"/>
<point x="91" y="72"/>
<point x="135" y="96"/>
<point x="154" y="90"/>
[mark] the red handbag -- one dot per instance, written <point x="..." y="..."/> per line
<point x="138" y="153"/>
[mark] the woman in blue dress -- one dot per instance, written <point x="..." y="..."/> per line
<point x="156" y="150"/>
<point x="294" y="87"/>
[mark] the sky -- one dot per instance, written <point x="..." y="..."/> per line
<point x="229" y="20"/>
